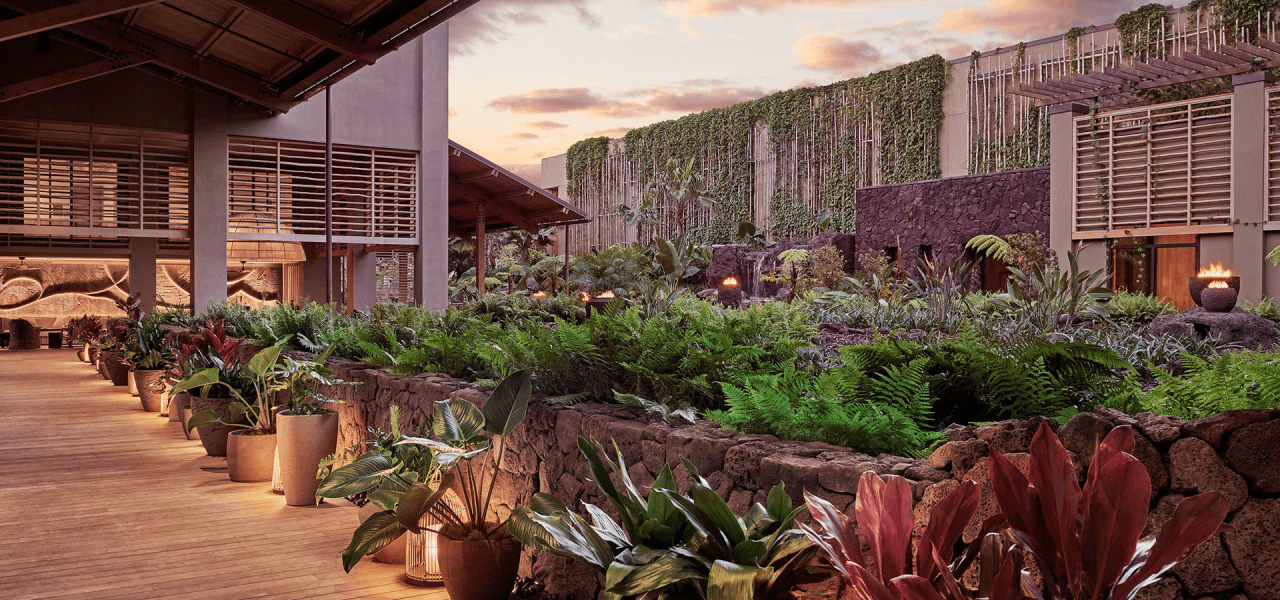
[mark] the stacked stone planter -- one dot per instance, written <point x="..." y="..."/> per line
<point x="1237" y="453"/>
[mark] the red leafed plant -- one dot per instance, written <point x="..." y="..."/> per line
<point x="1086" y="541"/>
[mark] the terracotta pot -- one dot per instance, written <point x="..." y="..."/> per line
<point x="150" y="388"/>
<point x="481" y="570"/>
<point x="117" y="369"/>
<point x="194" y="434"/>
<point x="250" y="457"/>
<point x="213" y="437"/>
<point x="304" y="441"/>
<point x="133" y="383"/>
<point x="394" y="553"/>
<point x="93" y="354"/>
<point x="176" y="404"/>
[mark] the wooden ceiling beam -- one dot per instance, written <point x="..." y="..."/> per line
<point x="493" y="206"/>
<point x="232" y="15"/>
<point x="62" y="16"/>
<point x="43" y="83"/>
<point x="477" y="176"/>
<point x="316" y="27"/>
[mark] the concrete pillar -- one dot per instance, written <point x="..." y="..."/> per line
<point x="313" y="279"/>
<point x="1062" y="176"/>
<point x="209" y="201"/>
<point x="431" y="257"/>
<point x="142" y="270"/>
<point x="362" y="278"/>
<point x="1249" y="130"/>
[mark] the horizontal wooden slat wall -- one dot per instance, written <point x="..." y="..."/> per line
<point x="1273" y="154"/>
<point x="71" y="175"/>
<point x="1161" y="165"/>
<point x="277" y="187"/>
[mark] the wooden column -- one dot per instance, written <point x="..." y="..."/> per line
<point x="480" y="250"/>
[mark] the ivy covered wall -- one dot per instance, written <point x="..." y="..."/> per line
<point x="778" y="161"/>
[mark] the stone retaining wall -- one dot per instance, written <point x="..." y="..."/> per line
<point x="1235" y="452"/>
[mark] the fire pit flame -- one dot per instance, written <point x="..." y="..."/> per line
<point x="1218" y="285"/>
<point x="730" y="282"/>
<point x="1214" y="270"/>
<point x="539" y="295"/>
<point x="606" y="294"/>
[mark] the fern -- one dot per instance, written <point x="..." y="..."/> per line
<point x="1232" y="381"/>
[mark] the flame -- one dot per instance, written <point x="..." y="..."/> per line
<point x="606" y="294"/>
<point x="730" y="282"/>
<point x="1218" y="285"/>
<point x="1214" y="270"/>
<point x="584" y="296"/>
<point x="539" y="295"/>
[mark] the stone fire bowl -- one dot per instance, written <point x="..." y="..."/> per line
<point x="1219" y="300"/>
<point x="1199" y="284"/>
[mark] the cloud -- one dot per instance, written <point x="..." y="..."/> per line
<point x="613" y="132"/>
<point x="1032" y="18"/>
<point x="489" y="22"/>
<point x="657" y="29"/>
<point x="709" y="8"/>
<point x="694" y="95"/>
<point x="531" y="172"/>
<point x="523" y="135"/>
<point x="545" y="125"/>
<point x="845" y="57"/>
<point x="562" y="100"/>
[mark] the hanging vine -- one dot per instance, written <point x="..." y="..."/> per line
<point x="821" y="130"/>
<point x="1140" y="30"/>
<point x="1237" y="16"/>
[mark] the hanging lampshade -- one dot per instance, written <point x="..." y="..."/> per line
<point x="259" y="251"/>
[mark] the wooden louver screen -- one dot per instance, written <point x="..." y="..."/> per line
<point x="1162" y="165"/>
<point x="277" y="189"/>
<point x="70" y="178"/>
<point x="1273" y="154"/>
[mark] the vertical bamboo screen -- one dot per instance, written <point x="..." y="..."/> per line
<point x="1273" y="154"/>
<point x="1168" y="164"/>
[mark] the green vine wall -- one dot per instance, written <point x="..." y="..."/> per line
<point x="815" y="129"/>
<point x="1140" y="29"/>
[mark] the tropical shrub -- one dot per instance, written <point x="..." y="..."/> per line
<point x="668" y="544"/>
<point x="1268" y="308"/>
<point x="1235" y="380"/>
<point x="1137" y="309"/>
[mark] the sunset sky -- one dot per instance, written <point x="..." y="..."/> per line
<point x="528" y="78"/>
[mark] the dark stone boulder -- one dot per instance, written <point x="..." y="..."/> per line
<point x="1254" y="451"/>
<point x="23" y="335"/>
<point x="726" y="261"/>
<point x="1194" y="468"/>
<point x="1253" y="543"/>
<point x="1215" y="428"/>
<point x="1237" y="327"/>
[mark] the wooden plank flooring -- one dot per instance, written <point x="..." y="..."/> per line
<point x="100" y="500"/>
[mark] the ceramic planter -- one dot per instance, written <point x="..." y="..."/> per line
<point x="479" y="570"/>
<point x="394" y="553"/>
<point x="304" y="441"/>
<point x="133" y="383"/>
<point x="213" y="437"/>
<point x="150" y="388"/>
<point x="117" y="370"/>
<point x="194" y="434"/>
<point x="93" y="354"/>
<point x="176" y="404"/>
<point x="250" y="457"/>
<point x="83" y="354"/>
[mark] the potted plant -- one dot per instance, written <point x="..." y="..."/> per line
<point x="251" y="446"/>
<point x="86" y="330"/>
<point x="149" y="358"/>
<point x="212" y="348"/>
<point x="478" y="556"/>
<point x="374" y="482"/>
<point x="307" y="430"/>
<point x="111" y="355"/>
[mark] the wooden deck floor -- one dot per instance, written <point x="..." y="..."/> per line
<point x="100" y="500"/>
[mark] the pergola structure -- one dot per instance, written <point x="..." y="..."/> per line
<point x="484" y="197"/>
<point x="272" y="54"/>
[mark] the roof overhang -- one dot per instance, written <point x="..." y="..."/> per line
<point x="273" y="54"/>
<point x="509" y="201"/>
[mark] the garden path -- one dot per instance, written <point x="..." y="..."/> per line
<point x="100" y="500"/>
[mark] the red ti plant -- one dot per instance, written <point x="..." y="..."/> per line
<point x="885" y="518"/>
<point x="1086" y="541"/>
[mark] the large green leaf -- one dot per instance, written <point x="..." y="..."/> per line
<point x="362" y="475"/>
<point x="561" y="533"/>
<point x="376" y="533"/>
<point x="508" y="403"/>
<point x="655" y="575"/>
<point x="265" y="359"/>
<point x="419" y="500"/>
<point x="456" y="420"/>
<point x="195" y="380"/>
<point x="718" y="513"/>
<point x="202" y="419"/>
<point x="729" y="581"/>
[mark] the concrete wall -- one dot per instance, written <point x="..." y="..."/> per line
<point x="946" y="213"/>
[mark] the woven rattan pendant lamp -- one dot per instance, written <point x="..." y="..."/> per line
<point x="260" y="251"/>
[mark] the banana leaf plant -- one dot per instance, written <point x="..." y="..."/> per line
<point x="382" y="474"/>
<point x="672" y="545"/>
<point x="256" y="410"/>
<point x="1086" y="541"/>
